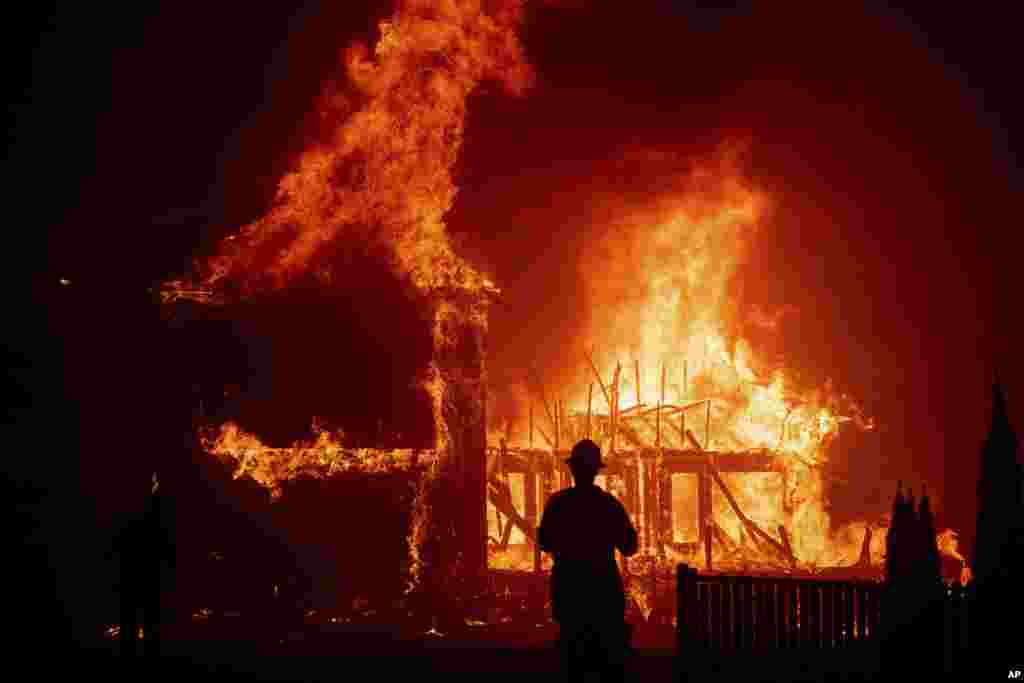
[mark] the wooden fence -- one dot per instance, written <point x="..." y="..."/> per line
<point x="722" y="613"/>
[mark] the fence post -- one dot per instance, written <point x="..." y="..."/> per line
<point x="876" y="611"/>
<point x="683" y="600"/>
<point x="826" y="615"/>
<point x="848" y="613"/>
<point x="842" y="632"/>
<point x="699" y="617"/>
<point x="736" y="613"/>
<point x="792" y="633"/>
<point x="809" y="615"/>
<point x="860" y="605"/>
<point x="764" y="607"/>
<point x="774" y="623"/>
<point x="813" y="614"/>
<point x="717" y="615"/>
<point x="799" y="613"/>
<point x="749" y="614"/>
<point x="837" y="616"/>
<point x="820" y="628"/>
<point x="731" y="614"/>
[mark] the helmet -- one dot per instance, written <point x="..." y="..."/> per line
<point x="586" y="453"/>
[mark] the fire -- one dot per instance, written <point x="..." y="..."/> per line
<point x="383" y="170"/>
<point x="382" y="173"/>
<point x="661" y="300"/>
<point x="666" y="326"/>
<point x="114" y="632"/>
<point x="949" y="542"/>
<point x="318" y="458"/>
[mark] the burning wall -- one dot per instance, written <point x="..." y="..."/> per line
<point x="382" y="173"/>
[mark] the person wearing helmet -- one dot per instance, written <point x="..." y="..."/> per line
<point x="582" y="527"/>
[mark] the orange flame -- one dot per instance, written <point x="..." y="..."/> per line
<point x="681" y="314"/>
<point x="660" y="285"/>
<point x="949" y="544"/>
<point x="318" y="458"/>
<point x="383" y="174"/>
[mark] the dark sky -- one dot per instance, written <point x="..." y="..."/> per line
<point x="887" y="142"/>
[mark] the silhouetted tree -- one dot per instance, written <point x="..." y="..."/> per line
<point x="897" y="575"/>
<point x="930" y="562"/>
<point x="927" y="594"/>
<point x="912" y="539"/>
<point x="997" y="556"/>
<point x="897" y="565"/>
<point x="913" y="590"/>
<point x="999" y="494"/>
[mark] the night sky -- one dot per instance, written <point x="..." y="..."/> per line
<point x="887" y="142"/>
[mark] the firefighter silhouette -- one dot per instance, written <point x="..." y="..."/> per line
<point x="582" y="527"/>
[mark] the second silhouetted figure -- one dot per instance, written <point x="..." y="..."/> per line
<point x="582" y="527"/>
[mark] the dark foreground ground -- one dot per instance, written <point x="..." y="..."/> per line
<point x="335" y="652"/>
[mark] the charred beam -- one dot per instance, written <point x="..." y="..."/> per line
<point x="784" y="535"/>
<point x="501" y="499"/>
<point x="547" y="407"/>
<point x="752" y="528"/>
<point x="547" y="439"/>
<point x="604" y="390"/>
<point x="590" y="406"/>
<point x="750" y="525"/>
<point x="615" y="406"/>
<point x="865" y="549"/>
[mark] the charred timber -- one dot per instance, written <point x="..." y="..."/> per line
<point x="600" y="380"/>
<point x="865" y="550"/>
<point x="501" y="499"/>
<point x="459" y="412"/>
<point x="750" y="525"/>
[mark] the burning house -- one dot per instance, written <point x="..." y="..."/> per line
<point x="715" y="450"/>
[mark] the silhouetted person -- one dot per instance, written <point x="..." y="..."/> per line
<point x="582" y="527"/>
<point x="145" y="545"/>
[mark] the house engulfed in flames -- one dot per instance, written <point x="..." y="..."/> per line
<point x="716" y="457"/>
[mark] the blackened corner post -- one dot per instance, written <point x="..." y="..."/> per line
<point x="460" y="328"/>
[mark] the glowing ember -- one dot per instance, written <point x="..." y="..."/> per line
<point x="114" y="632"/>
<point x="432" y="632"/>
<point x="948" y="542"/>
